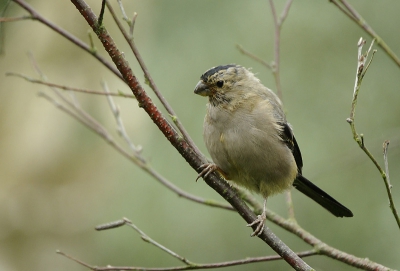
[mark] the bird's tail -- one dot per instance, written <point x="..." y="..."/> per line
<point x="318" y="195"/>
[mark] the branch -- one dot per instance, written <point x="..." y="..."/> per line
<point x="194" y="158"/>
<point x="360" y="73"/>
<point x="15" y="19"/>
<point x="129" y="39"/>
<point x="253" y="56"/>
<point x="189" y="265"/>
<point x="278" y="22"/>
<point x="41" y="82"/>
<point x="36" y="16"/>
<point x="350" y="12"/>
<point x="277" y="40"/>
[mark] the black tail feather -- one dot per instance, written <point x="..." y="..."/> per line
<point x="318" y="195"/>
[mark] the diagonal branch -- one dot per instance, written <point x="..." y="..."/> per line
<point x="350" y="12"/>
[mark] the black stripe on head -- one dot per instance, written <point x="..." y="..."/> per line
<point x="214" y="70"/>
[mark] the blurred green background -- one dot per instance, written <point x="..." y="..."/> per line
<point x="58" y="179"/>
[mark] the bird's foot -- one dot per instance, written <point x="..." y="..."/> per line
<point x="207" y="169"/>
<point x="260" y="222"/>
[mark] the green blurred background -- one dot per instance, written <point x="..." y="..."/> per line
<point x="58" y="179"/>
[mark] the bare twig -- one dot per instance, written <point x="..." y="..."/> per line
<point x="278" y="22"/>
<point x="121" y="6"/>
<point x="41" y="82"/>
<point x="362" y="68"/>
<point x="350" y="12"/>
<point x="387" y="182"/>
<point x="385" y="158"/>
<point x="101" y="15"/>
<point x="132" y="24"/>
<point x="147" y="239"/>
<point x="121" y="127"/>
<point x="189" y="265"/>
<point x="36" y="16"/>
<point x="186" y="267"/>
<point x="15" y="19"/>
<point x="290" y="205"/>
<point x="253" y="56"/>
<point x="275" y="66"/>
<point x="129" y="39"/>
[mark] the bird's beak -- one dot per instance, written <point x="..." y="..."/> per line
<point x="202" y="89"/>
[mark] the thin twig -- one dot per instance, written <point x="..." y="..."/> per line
<point x="359" y="138"/>
<point x="285" y="12"/>
<point x="83" y="115"/>
<point x="303" y="254"/>
<point x="132" y="24"/>
<point x="121" y="7"/>
<point x="120" y="124"/>
<point x="147" y="239"/>
<point x="278" y="22"/>
<point x="350" y="12"/>
<point x="253" y="56"/>
<point x="101" y="15"/>
<point x="36" y="16"/>
<point x="15" y="19"/>
<point x="129" y="39"/>
<point x="41" y="82"/>
<point x="385" y="158"/>
<point x="386" y="179"/>
<point x="189" y="265"/>
<point x="290" y="205"/>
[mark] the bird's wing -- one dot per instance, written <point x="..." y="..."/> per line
<point x="290" y="141"/>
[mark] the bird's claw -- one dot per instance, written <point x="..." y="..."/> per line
<point x="261" y="224"/>
<point x="207" y="169"/>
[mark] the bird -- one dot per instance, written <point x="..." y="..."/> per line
<point x="249" y="140"/>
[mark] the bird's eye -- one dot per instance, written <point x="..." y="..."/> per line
<point x="220" y="84"/>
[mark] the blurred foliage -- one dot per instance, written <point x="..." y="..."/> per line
<point x="58" y="180"/>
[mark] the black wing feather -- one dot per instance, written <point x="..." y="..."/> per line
<point x="290" y="141"/>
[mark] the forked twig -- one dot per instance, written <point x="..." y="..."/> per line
<point x="189" y="265"/>
<point x="362" y="67"/>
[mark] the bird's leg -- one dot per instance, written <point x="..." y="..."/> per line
<point x="207" y="169"/>
<point x="260" y="221"/>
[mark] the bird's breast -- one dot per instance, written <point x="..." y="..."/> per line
<point x="246" y="145"/>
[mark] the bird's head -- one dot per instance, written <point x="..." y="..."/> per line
<point x="227" y="83"/>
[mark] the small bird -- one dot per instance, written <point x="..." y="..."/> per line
<point x="249" y="140"/>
